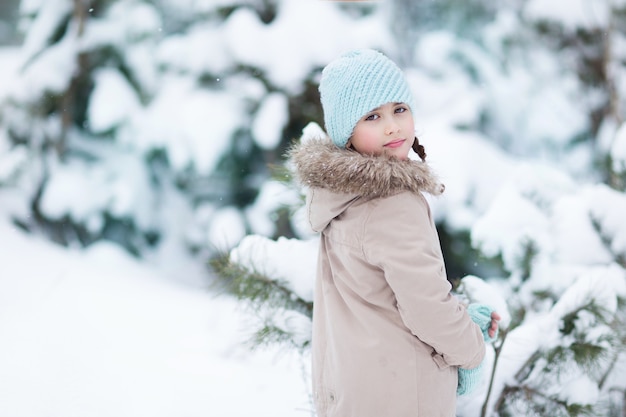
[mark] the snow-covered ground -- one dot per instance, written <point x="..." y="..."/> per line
<point x="96" y="333"/>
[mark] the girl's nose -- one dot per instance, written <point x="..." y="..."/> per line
<point x="392" y="128"/>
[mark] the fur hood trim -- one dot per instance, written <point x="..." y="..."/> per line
<point x="319" y="163"/>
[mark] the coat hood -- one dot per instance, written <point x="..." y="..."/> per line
<point x="340" y="177"/>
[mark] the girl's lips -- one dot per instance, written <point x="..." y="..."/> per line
<point x="395" y="144"/>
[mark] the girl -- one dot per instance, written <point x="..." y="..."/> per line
<point x="388" y="337"/>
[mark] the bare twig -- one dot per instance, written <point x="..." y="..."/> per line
<point x="498" y="351"/>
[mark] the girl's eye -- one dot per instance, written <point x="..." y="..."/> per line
<point x="401" y="109"/>
<point x="372" y="117"/>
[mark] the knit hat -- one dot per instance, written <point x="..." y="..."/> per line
<point x="356" y="83"/>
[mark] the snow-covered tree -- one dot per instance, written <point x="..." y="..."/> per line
<point x="84" y="72"/>
<point x="120" y="106"/>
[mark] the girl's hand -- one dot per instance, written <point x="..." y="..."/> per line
<point x="495" y="317"/>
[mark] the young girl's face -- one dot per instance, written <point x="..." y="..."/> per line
<point x="387" y="129"/>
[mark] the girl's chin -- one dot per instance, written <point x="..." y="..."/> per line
<point x="397" y="153"/>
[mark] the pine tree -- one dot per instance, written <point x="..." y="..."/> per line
<point x="69" y="50"/>
<point x="181" y="93"/>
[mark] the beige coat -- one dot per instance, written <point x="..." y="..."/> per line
<point x="387" y="333"/>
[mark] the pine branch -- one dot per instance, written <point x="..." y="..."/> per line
<point x="271" y="299"/>
<point x="607" y="241"/>
<point x="620" y="343"/>
<point x="283" y="174"/>
<point x="540" y="403"/>
<point x="272" y="334"/>
<point x="525" y="262"/>
<point x="256" y="288"/>
<point x="580" y="352"/>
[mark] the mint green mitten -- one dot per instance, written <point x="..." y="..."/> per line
<point x="481" y="315"/>
<point x="469" y="378"/>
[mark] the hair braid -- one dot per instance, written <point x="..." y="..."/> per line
<point x="419" y="149"/>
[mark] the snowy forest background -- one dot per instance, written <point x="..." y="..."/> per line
<point x="142" y="140"/>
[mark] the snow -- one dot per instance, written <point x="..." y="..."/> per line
<point x="135" y="19"/>
<point x="575" y="235"/>
<point x="270" y="120"/>
<point x="472" y="169"/>
<point x="618" y="149"/>
<point x="205" y="122"/>
<point x="9" y="57"/>
<point x="262" y="214"/>
<point x="244" y="34"/>
<point x="517" y="90"/>
<point x="11" y="161"/>
<point x="141" y="64"/>
<point x="290" y="260"/>
<point x="581" y="389"/>
<point x="572" y="14"/>
<point x="509" y="226"/>
<point x="226" y="229"/>
<point x="85" y="193"/>
<point x="112" y="102"/>
<point x="100" y="333"/>
<point x="197" y="6"/>
<point x="47" y="17"/>
<point x="606" y="207"/>
<point x="50" y="73"/>
<point x="436" y="84"/>
<point x="312" y="131"/>
<point x="545" y="208"/>
<point x="179" y="51"/>
<point x="521" y="99"/>
<point x="479" y="291"/>
<point x="600" y="284"/>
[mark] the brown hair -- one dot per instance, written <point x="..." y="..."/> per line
<point x="419" y="149"/>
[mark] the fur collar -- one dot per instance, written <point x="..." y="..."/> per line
<point x="319" y="163"/>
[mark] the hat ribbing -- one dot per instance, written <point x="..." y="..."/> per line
<point x="356" y="83"/>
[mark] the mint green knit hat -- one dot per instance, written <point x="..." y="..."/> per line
<point x="356" y="83"/>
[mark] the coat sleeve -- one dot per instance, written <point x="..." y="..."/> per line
<point x="400" y="238"/>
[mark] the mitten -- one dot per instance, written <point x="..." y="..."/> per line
<point x="481" y="315"/>
<point x="469" y="378"/>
